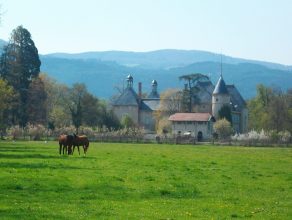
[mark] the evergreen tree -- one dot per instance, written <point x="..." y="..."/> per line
<point x="225" y="112"/>
<point x="19" y="65"/>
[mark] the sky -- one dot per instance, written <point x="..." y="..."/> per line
<point x="250" y="29"/>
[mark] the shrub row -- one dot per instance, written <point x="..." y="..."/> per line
<point x="39" y="132"/>
<point x="262" y="138"/>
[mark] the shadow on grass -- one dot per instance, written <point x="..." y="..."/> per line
<point x="18" y="150"/>
<point x="30" y="154"/>
<point x="40" y="166"/>
<point x="25" y="155"/>
<point x="24" y="149"/>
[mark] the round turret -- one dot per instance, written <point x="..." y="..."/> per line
<point x="154" y="94"/>
<point x="220" y="97"/>
<point x="129" y="81"/>
<point x="130" y="77"/>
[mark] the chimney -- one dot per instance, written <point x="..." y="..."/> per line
<point x="140" y="90"/>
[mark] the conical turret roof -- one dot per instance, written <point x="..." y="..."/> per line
<point x="220" y="87"/>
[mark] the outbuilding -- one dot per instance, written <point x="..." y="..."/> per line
<point x="198" y="125"/>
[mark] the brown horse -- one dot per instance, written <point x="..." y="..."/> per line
<point x="80" y="140"/>
<point x="65" y="143"/>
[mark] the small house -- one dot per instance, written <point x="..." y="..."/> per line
<point x="198" y="125"/>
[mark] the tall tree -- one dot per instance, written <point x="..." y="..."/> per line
<point x="6" y="96"/>
<point x="90" y="110"/>
<point x="37" y="96"/>
<point x="191" y="89"/>
<point x="19" y="65"/>
<point x="270" y="109"/>
<point x="225" y="112"/>
<point x="278" y="113"/>
<point x="77" y="95"/>
<point x="57" y="102"/>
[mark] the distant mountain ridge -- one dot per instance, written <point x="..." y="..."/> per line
<point x="164" y="59"/>
<point x="102" y="77"/>
<point x="102" y="72"/>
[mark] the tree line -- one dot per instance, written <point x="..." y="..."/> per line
<point x="30" y="97"/>
<point x="271" y="109"/>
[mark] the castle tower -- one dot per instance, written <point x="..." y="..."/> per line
<point x="220" y="97"/>
<point x="130" y="81"/>
<point x="154" y="94"/>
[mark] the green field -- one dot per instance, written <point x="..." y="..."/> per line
<point x="145" y="181"/>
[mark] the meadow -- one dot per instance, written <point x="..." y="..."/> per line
<point x="145" y="181"/>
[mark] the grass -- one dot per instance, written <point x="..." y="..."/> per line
<point x="145" y="181"/>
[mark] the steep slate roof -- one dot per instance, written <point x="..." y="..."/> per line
<point x="150" y="104"/>
<point x="190" y="117"/>
<point x="128" y="97"/>
<point x="220" y="87"/>
<point x="236" y="99"/>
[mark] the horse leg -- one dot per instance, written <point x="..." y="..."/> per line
<point x="64" y="149"/>
<point x="86" y="148"/>
<point x="78" y="150"/>
<point x="69" y="149"/>
<point x="60" y="149"/>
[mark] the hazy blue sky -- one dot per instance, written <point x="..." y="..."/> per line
<point x="252" y="29"/>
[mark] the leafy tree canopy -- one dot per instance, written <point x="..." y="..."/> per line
<point x="191" y="90"/>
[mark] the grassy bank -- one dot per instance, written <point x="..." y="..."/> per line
<point x="144" y="181"/>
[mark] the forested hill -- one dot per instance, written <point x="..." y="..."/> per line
<point x="101" y="77"/>
<point x="103" y="72"/>
<point x="163" y="59"/>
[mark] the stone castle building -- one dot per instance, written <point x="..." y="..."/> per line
<point x="212" y="99"/>
<point x="140" y="109"/>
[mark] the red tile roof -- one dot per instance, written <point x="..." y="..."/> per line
<point x="190" y="117"/>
